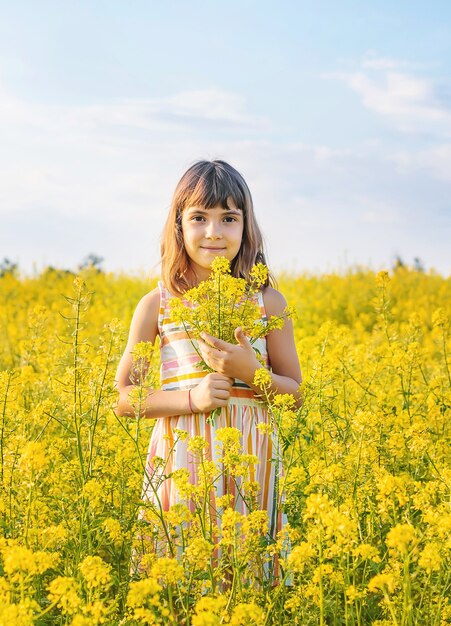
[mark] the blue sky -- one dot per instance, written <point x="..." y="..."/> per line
<point x="337" y="114"/>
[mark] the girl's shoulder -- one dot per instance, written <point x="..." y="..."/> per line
<point x="145" y="317"/>
<point x="274" y="301"/>
<point x="150" y="302"/>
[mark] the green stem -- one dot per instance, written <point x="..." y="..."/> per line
<point x="77" y="424"/>
<point x="27" y="523"/>
<point x="158" y="506"/>
<point x="2" y="431"/>
<point x="390" y="608"/>
<point x="98" y="404"/>
<point x="446" y="356"/>
<point x="219" y="307"/>
<point x="406" y="601"/>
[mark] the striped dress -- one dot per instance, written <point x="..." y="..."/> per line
<point x="179" y="372"/>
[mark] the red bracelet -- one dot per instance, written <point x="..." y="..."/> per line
<point x="189" y="401"/>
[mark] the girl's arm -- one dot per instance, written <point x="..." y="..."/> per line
<point x="239" y="361"/>
<point x="283" y="359"/>
<point x="212" y="392"/>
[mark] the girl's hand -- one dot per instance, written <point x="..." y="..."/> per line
<point x="212" y="392"/>
<point x="235" y="361"/>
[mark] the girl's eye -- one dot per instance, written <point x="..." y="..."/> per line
<point x="229" y="218"/>
<point x="198" y="218"/>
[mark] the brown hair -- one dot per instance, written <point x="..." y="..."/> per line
<point x="208" y="184"/>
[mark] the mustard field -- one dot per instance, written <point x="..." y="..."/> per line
<point x="365" y="487"/>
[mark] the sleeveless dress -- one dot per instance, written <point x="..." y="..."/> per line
<point x="178" y="371"/>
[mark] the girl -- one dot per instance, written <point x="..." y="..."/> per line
<point x="211" y="215"/>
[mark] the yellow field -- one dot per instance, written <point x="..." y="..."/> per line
<point x="367" y="474"/>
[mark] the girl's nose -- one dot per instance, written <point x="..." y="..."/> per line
<point x="213" y="230"/>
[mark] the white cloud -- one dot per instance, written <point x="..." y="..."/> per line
<point x="81" y="179"/>
<point x="212" y="104"/>
<point x="166" y="113"/>
<point x="373" y="61"/>
<point x="374" y="212"/>
<point x="111" y="156"/>
<point x="409" y="100"/>
<point x="434" y="161"/>
<point x="380" y="64"/>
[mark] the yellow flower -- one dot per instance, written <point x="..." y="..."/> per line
<point x="96" y="611"/>
<point x="54" y="535"/>
<point x="285" y="400"/>
<point x="262" y="378"/>
<point x="94" y="494"/>
<point x="251" y="488"/>
<point x="5" y="590"/>
<point x="324" y="570"/>
<point x="181" y="479"/>
<point x="440" y="318"/>
<point x="64" y="591"/>
<point x="245" y="614"/>
<point x="209" y="610"/>
<point x="228" y="436"/>
<point x="353" y="594"/>
<point x="198" y="552"/>
<point x="381" y="582"/>
<point x="220" y="265"/>
<point x="317" y="506"/>
<point x="265" y="428"/>
<point x="223" y="303"/>
<point x="259" y="274"/>
<point x="178" y="514"/>
<point x="18" y="614"/>
<point x="292" y="481"/>
<point x="115" y="325"/>
<point x="400" y="537"/>
<point x="35" y="457"/>
<point x="79" y="284"/>
<point x="197" y="444"/>
<point x="225" y="500"/>
<point x="255" y="523"/>
<point x="300" y="555"/>
<point x="206" y="619"/>
<point x="82" y="620"/>
<point x="371" y="438"/>
<point x="382" y="278"/>
<point x="276" y="322"/>
<point x="430" y="558"/>
<point x="181" y="435"/>
<point x="207" y="472"/>
<point x="113" y="529"/>
<point x="366" y="551"/>
<point x="17" y="559"/>
<point x="143" y="350"/>
<point x="229" y="527"/>
<point x="168" y="571"/>
<point x="141" y="590"/>
<point x="96" y="572"/>
<point x="157" y="462"/>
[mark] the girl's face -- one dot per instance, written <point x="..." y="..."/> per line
<point x="209" y="233"/>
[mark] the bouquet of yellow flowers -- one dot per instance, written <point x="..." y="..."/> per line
<point x="221" y="304"/>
